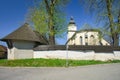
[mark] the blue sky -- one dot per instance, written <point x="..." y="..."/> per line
<point x="13" y="15"/>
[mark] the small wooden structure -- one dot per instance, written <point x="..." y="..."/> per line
<point x="22" y="41"/>
<point x="3" y="52"/>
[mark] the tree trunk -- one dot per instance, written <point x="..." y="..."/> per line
<point x="116" y="34"/>
<point x="51" y="35"/>
<point x="110" y="17"/>
<point x="50" y="21"/>
<point x="51" y="40"/>
<point x="118" y="27"/>
<point x="116" y="39"/>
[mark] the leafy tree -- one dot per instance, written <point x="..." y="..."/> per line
<point x="48" y="18"/>
<point x="108" y="14"/>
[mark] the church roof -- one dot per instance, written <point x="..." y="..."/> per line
<point x="93" y="30"/>
<point x="23" y="33"/>
<point x="86" y="27"/>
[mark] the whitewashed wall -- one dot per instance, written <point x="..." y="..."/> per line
<point x="23" y="53"/>
<point x="21" y="50"/>
<point x="77" y="55"/>
<point x="10" y="53"/>
<point x="88" y="33"/>
<point x="117" y="54"/>
<point x="82" y="34"/>
<point x="71" y="28"/>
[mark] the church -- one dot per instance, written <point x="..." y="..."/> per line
<point x="84" y="36"/>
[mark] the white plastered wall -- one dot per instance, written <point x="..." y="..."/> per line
<point x="21" y="50"/>
<point x="82" y="34"/>
<point x="10" y="53"/>
<point x="77" y="55"/>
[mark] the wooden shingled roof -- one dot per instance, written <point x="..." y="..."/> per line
<point x="24" y="33"/>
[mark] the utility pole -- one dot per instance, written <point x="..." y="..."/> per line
<point x="67" y="62"/>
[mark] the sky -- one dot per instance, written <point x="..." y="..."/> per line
<point x="13" y="14"/>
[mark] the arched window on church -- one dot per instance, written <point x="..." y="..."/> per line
<point x="86" y="39"/>
<point x="86" y="36"/>
<point x="81" y="40"/>
<point x="92" y="38"/>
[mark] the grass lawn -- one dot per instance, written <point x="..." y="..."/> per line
<point x="51" y="62"/>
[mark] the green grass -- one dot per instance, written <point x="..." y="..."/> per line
<point x="51" y="62"/>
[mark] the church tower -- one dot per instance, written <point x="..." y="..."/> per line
<point x="72" y="28"/>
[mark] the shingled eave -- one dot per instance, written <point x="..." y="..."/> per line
<point x="22" y="33"/>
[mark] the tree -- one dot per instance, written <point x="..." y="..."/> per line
<point x="48" y="18"/>
<point x="108" y="13"/>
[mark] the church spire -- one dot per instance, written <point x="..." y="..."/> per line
<point x="72" y="20"/>
<point x="72" y="28"/>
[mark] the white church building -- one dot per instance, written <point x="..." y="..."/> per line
<point x="84" y="36"/>
<point x="24" y="43"/>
